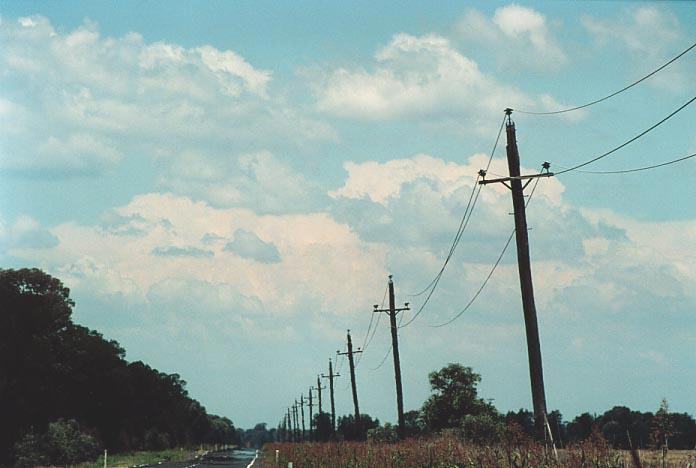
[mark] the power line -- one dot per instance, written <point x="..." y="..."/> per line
<point x="367" y="341"/>
<point x="631" y="140"/>
<point x="432" y="291"/>
<point x="462" y="224"/>
<point x="384" y="359"/>
<point x="490" y="274"/>
<point x="614" y="93"/>
<point x="638" y="169"/>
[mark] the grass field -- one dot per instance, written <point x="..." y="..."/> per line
<point x="449" y="452"/>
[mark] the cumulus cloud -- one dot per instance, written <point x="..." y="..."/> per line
<point x="255" y="180"/>
<point x="247" y="244"/>
<point x="415" y="77"/>
<point x="25" y="233"/>
<point x="96" y="100"/>
<point x="517" y="36"/>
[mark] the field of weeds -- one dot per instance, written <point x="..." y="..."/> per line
<point x="448" y="451"/>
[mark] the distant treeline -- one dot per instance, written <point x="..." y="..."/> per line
<point x="455" y="407"/>
<point x="58" y="378"/>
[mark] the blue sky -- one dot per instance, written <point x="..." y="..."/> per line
<point x="225" y="187"/>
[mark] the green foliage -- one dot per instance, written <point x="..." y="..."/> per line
<point x="62" y="444"/>
<point x="322" y="426"/>
<point x="51" y="367"/>
<point x="662" y="427"/>
<point x="454" y="397"/>
<point x="350" y="429"/>
<point x="483" y="428"/>
<point x="383" y="434"/>
<point x="258" y="436"/>
<point x="415" y="425"/>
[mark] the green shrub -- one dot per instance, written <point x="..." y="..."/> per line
<point x="383" y="434"/>
<point x="62" y="444"/>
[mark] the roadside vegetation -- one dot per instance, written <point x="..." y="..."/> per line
<point x="457" y="428"/>
<point x="67" y="393"/>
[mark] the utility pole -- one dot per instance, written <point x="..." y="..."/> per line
<point x="302" y="403"/>
<point x="297" y="427"/>
<point x="319" y="389"/>
<point x="311" y="434"/>
<point x="536" y="373"/>
<point x="285" y="428"/>
<point x="351" y="362"/>
<point x="331" y="378"/>
<point x="291" y="428"/>
<point x="392" y="311"/>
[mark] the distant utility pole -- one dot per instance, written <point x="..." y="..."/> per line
<point x="331" y="378"/>
<point x="311" y="433"/>
<point x="302" y="403"/>
<point x="297" y="427"/>
<point x="319" y="389"/>
<point x="392" y="311"/>
<point x="291" y="428"/>
<point x="285" y="428"/>
<point x="351" y="362"/>
<point x="514" y="183"/>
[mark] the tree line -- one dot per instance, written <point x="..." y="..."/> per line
<point x="455" y="406"/>
<point x="66" y="392"/>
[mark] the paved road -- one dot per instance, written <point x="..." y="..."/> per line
<point x="228" y="458"/>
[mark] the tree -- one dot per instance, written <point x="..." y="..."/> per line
<point x="662" y="427"/>
<point x="415" y="425"/>
<point x="523" y="418"/>
<point x="454" y="397"/>
<point x="322" y="427"/>
<point x="350" y="429"/>
<point x="52" y="368"/>
<point x="580" y="428"/>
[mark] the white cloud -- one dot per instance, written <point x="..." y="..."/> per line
<point x="25" y="233"/>
<point x="96" y="100"/>
<point x="311" y="252"/>
<point x="519" y="37"/>
<point x="415" y="77"/>
<point x="257" y="180"/>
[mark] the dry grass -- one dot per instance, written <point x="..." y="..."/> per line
<point x="447" y="451"/>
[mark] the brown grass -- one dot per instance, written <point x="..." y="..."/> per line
<point x="447" y="451"/>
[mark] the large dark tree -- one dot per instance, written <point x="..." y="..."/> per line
<point x="52" y="369"/>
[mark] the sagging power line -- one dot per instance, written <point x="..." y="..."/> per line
<point x="597" y="101"/>
<point x="641" y="134"/>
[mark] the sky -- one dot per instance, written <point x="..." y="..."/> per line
<point x="226" y="186"/>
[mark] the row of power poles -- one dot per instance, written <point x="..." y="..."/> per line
<point x="516" y="183"/>
<point x="293" y="426"/>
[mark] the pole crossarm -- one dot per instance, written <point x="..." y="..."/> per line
<point x="397" y="310"/>
<point x="522" y="177"/>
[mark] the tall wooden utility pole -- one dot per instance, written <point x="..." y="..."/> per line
<point x="392" y="311"/>
<point x="536" y="373"/>
<point x="351" y="363"/>
<point x="311" y="433"/>
<point x="302" y="403"/>
<point x="331" y="378"/>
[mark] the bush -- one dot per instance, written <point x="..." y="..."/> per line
<point x="62" y="444"/>
<point x="482" y="428"/>
<point x="383" y="434"/>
